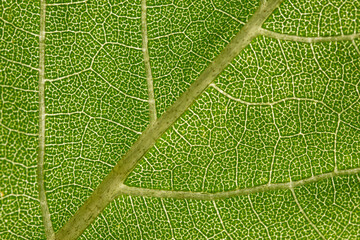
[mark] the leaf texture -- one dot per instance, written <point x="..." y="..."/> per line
<point x="169" y="119"/>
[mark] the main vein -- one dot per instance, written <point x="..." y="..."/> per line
<point x="149" y="78"/>
<point x="41" y="151"/>
<point x="110" y="188"/>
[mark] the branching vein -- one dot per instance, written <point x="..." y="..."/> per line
<point x="146" y="192"/>
<point x="109" y="189"/>
<point x="305" y="215"/>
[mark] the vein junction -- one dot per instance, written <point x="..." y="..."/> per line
<point x="109" y="189"/>
<point x="113" y="186"/>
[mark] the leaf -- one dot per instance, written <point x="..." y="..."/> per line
<point x="180" y="119"/>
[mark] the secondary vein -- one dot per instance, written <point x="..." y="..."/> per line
<point x="41" y="151"/>
<point x="149" y="78"/>
<point x="147" y="192"/>
<point x="282" y="36"/>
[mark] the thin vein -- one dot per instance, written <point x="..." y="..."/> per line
<point x="356" y="47"/>
<point x="350" y="125"/>
<point x="68" y="76"/>
<point x="193" y="222"/>
<point x="258" y="217"/>
<point x="117" y="89"/>
<point x="273" y="158"/>
<point x="136" y="217"/>
<point x="305" y="215"/>
<point x="267" y="103"/>
<point x="65" y="3"/>
<point x="17" y="163"/>
<point x="149" y="78"/>
<point x="100" y="76"/>
<point x="97" y="118"/>
<point x="49" y="231"/>
<point x="294" y="38"/>
<point x="225" y="13"/>
<point x="336" y="141"/>
<point x="19" y="28"/>
<point x="220" y="219"/>
<point x="17" y="131"/>
<point x="19" y="63"/>
<point x="168" y="219"/>
<point x="146" y="192"/>
<point x="19" y="89"/>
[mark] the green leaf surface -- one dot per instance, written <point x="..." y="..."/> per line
<point x="180" y="119"/>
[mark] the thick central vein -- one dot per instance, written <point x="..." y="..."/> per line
<point x="41" y="151"/>
<point x="110" y="188"/>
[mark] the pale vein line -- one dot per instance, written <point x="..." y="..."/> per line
<point x="107" y="226"/>
<point x="97" y="118"/>
<point x="17" y="131"/>
<point x="16" y="235"/>
<point x="137" y="220"/>
<point x="350" y="125"/>
<point x="19" y="89"/>
<point x="65" y="3"/>
<point x="19" y="63"/>
<point x="287" y="37"/>
<point x="221" y="221"/>
<point x="17" y="163"/>
<point x="305" y="215"/>
<point x="100" y="76"/>
<point x="117" y="89"/>
<point x="333" y="184"/>
<point x="49" y="231"/>
<point x="149" y="78"/>
<point x="68" y="76"/>
<point x="258" y="217"/>
<point x="193" y="222"/>
<point x="167" y="217"/>
<point x="356" y="47"/>
<point x="19" y="196"/>
<point x="335" y="142"/>
<point x="146" y="192"/>
<point x="225" y="13"/>
<point x="273" y="158"/>
<point x="19" y="28"/>
<point x="287" y="66"/>
<point x="267" y="103"/>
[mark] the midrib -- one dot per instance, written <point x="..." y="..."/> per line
<point x="49" y="232"/>
<point x="113" y="186"/>
<point x="110" y="188"/>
